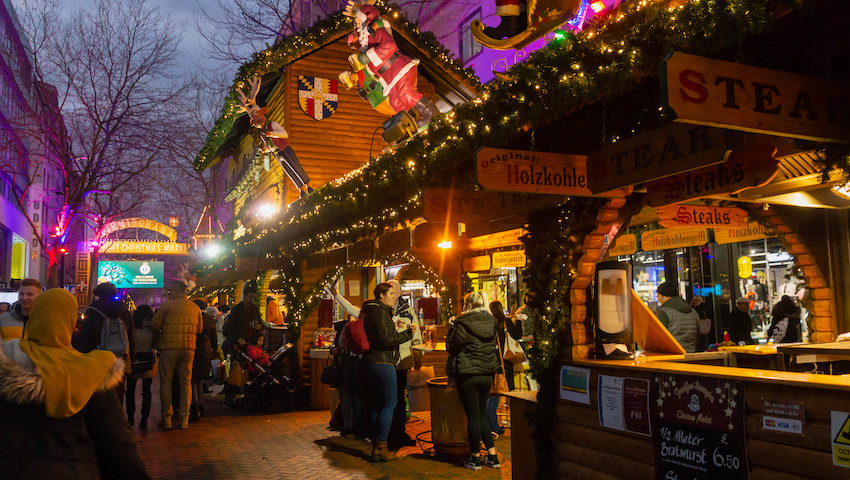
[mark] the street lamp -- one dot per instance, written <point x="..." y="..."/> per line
<point x="212" y="250"/>
<point x="445" y="245"/>
<point x="266" y="210"/>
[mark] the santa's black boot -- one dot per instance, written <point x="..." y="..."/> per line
<point x="509" y="26"/>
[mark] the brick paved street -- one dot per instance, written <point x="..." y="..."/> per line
<point x="293" y="445"/>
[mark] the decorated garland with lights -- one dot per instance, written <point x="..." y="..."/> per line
<point x="603" y="61"/>
<point x="324" y="31"/>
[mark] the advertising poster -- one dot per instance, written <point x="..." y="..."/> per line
<point x="783" y="417"/>
<point x="624" y="404"/>
<point x="131" y="274"/>
<point x="698" y="428"/>
<point x="575" y="384"/>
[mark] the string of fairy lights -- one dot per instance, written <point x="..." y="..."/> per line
<point x="603" y="61"/>
<point x="324" y="31"/>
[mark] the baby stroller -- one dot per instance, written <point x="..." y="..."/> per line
<point x="268" y="383"/>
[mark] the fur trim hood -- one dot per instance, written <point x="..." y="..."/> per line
<point x="20" y="380"/>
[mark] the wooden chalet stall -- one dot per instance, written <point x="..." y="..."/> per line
<point x="330" y="141"/>
<point x="729" y="195"/>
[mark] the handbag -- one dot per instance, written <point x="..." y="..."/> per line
<point x="513" y="350"/>
<point x="144" y="361"/>
<point x="331" y="374"/>
<point x="500" y="383"/>
<point x="704" y="326"/>
<point x="238" y="375"/>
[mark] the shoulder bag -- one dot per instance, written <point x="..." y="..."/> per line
<point x="513" y="350"/>
<point x="500" y="383"/>
<point x="331" y="374"/>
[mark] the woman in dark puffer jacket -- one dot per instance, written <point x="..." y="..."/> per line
<point x="473" y="361"/>
<point x="378" y="364"/>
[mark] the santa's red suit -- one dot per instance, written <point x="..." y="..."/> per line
<point x="395" y="71"/>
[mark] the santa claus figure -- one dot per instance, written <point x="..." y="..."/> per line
<point x="395" y="72"/>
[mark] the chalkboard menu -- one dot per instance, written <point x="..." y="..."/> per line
<point x="698" y="428"/>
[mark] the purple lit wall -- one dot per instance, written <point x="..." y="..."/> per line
<point x="451" y="26"/>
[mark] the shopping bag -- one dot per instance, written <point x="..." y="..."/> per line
<point x="238" y="375"/>
<point x="513" y="350"/>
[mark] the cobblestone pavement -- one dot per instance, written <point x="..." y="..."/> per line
<point x="293" y="445"/>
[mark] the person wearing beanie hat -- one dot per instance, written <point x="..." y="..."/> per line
<point x="740" y="322"/>
<point x="677" y="316"/>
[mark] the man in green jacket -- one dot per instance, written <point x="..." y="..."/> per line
<point x="677" y="315"/>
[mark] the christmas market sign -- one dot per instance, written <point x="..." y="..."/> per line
<point x="446" y="205"/>
<point x="673" y="238"/>
<point x="704" y="91"/>
<point x="536" y="172"/>
<point x="698" y="428"/>
<point x="658" y="153"/>
<point x="509" y="259"/>
<point x="131" y="274"/>
<point x="752" y="231"/>
<point x="81" y="279"/>
<point x="623" y="245"/>
<point x="684" y="216"/>
<point x="476" y="264"/>
<point x="142" y="223"/>
<point x="120" y="247"/>
<point x="743" y="169"/>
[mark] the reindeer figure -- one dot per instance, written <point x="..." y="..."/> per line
<point x="277" y="134"/>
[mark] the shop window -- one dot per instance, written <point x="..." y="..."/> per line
<point x="19" y="257"/>
<point x="469" y="47"/>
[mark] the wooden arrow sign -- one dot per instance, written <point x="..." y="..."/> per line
<point x="743" y="169"/>
<point x="687" y="216"/>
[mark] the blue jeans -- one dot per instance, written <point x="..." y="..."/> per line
<point x="381" y="379"/>
<point x="492" y="413"/>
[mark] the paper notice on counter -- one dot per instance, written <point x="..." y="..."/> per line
<point x="624" y="404"/>
<point x="575" y="384"/>
<point x="611" y="402"/>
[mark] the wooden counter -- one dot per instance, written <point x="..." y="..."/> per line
<point x="523" y="406"/>
<point x="585" y="449"/>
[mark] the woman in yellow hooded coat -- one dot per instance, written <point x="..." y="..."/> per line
<point x="59" y="413"/>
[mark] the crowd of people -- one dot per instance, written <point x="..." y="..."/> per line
<point x="64" y="376"/>
<point x="375" y="371"/>
<point x="689" y="325"/>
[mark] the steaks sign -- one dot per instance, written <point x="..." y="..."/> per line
<point x="745" y="168"/>
<point x="703" y="91"/>
<point x="664" y="151"/>
<point x="683" y="216"/>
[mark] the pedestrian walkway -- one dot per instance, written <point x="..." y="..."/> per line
<point x="293" y="445"/>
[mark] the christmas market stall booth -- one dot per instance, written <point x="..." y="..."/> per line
<point x="303" y="124"/>
<point x="729" y="189"/>
<point x="635" y="112"/>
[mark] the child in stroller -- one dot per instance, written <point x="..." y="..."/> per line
<point x="268" y="380"/>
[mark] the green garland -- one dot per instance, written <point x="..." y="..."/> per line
<point x="603" y="61"/>
<point x="276" y="57"/>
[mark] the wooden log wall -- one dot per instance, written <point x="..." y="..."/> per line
<point x="330" y="148"/>
<point x="822" y="318"/>
<point x="586" y="450"/>
<point x="579" y="337"/>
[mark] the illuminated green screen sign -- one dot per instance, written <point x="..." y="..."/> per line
<point x="131" y="274"/>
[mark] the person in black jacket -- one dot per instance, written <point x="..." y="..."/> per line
<point x="378" y="364"/>
<point x="504" y="325"/>
<point x="59" y="414"/>
<point x="473" y="361"/>
<point x="785" y="326"/>
<point x="107" y="304"/>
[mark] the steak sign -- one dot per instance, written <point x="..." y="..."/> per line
<point x="703" y="91"/>
<point x="687" y="216"/>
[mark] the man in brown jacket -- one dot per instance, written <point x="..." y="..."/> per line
<point x="178" y="322"/>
